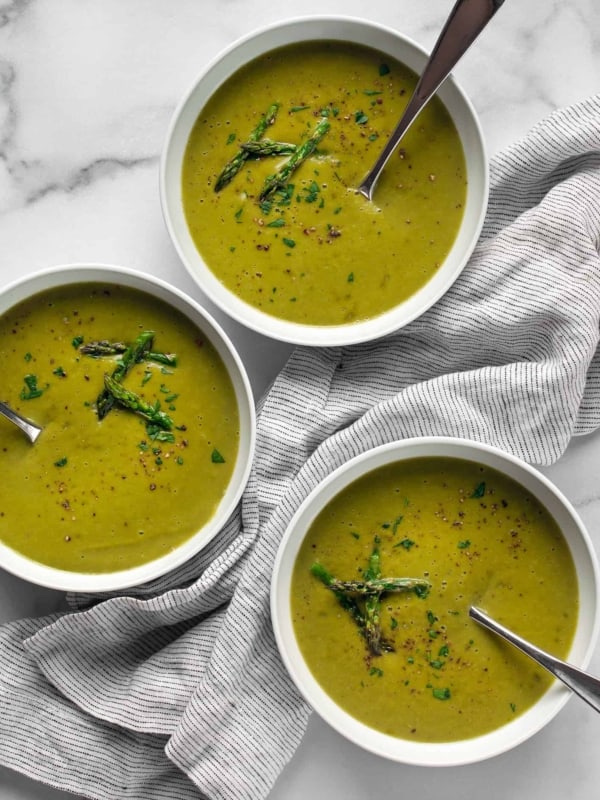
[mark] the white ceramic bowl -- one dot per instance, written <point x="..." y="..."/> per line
<point x="439" y="753"/>
<point x="44" y="575"/>
<point x="317" y="28"/>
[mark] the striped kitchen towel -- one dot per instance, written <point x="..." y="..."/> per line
<point x="176" y="690"/>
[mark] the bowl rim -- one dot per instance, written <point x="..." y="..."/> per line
<point x="437" y="754"/>
<point x="41" y="574"/>
<point x="326" y="335"/>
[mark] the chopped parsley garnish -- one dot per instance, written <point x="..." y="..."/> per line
<point x="441" y="694"/>
<point x="59" y="371"/>
<point x="216" y="457"/>
<point x="350" y="278"/>
<point x="276" y="223"/>
<point x="288" y="242"/>
<point x="27" y="357"/>
<point x="464" y="544"/>
<point x="77" y="341"/>
<point x="406" y="543"/>
<point x="32" y="389"/>
<point x="384" y="69"/>
<point x="158" y="434"/>
<point x="397" y="522"/>
<point x="479" y="490"/>
<point x="61" y="462"/>
<point x="360" y="118"/>
<point x="376" y="671"/>
<point x="231" y="138"/>
<point x="294" y="109"/>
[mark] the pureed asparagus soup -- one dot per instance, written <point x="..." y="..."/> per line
<point x="382" y="587"/>
<point x="120" y="475"/>
<point x="269" y="184"/>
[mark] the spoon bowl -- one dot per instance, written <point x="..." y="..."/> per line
<point x="580" y="682"/>
<point x="29" y="428"/>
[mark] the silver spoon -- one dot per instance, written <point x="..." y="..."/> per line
<point x="580" y="682"/>
<point x="466" y="21"/>
<point x="31" y="429"/>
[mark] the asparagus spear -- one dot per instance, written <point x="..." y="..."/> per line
<point x="378" y="585"/>
<point x="267" y="147"/>
<point x="106" y="348"/>
<point x="131" y="400"/>
<point x="235" y="164"/>
<point x="372" y="604"/>
<point x="102" y="348"/>
<point x="301" y="153"/>
<point x="134" y="353"/>
<point x="350" y="605"/>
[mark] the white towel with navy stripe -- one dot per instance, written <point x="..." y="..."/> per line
<point x="175" y="691"/>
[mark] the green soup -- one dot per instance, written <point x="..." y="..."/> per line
<point x="478" y="538"/>
<point x="97" y="495"/>
<point x="315" y="251"/>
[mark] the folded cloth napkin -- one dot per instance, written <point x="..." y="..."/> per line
<point x="175" y="691"/>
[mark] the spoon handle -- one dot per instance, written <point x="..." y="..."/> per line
<point x="580" y="682"/>
<point x="466" y="21"/>
<point x="32" y="431"/>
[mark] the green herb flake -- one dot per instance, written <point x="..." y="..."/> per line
<point x="350" y="278"/>
<point x="294" y="109"/>
<point x="59" y="372"/>
<point x="77" y="341"/>
<point x="479" y="490"/>
<point x="431" y="618"/>
<point x="355" y="534"/>
<point x="513" y="707"/>
<point x="179" y="460"/>
<point x="231" y="138"/>
<point x="442" y="694"/>
<point x="276" y="223"/>
<point x="444" y="651"/>
<point x="406" y="543"/>
<point x="433" y="634"/>
<point x="238" y="215"/>
<point x="436" y="664"/>
<point x="216" y="457"/>
<point x="28" y="357"/>
<point x="157" y="434"/>
<point x="61" y="462"/>
<point x="384" y="69"/>
<point x="372" y="92"/>
<point x="288" y="242"/>
<point x="464" y="544"/>
<point x="393" y="623"/>
<point x="376" y="671"/>
<point x="397" y="522"/>
<point x="147" y="376"/>
<point x="373" y="137"/>
<point x="360" y="118"/>
<point x="32" y="389"/>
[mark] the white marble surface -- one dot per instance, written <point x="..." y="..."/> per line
<point x="86" y="93"/>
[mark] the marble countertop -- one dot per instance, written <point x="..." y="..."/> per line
<point x="87" y="90"/>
